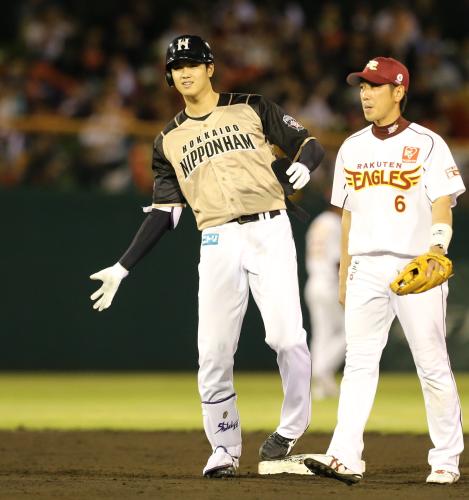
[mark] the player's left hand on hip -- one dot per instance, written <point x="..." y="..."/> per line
<point x="111" y="278"/>
<point x="299" y="175"/>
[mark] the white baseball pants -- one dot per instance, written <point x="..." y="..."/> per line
<point x="370" y="309"/>
<point x="234" y="258"/>
<point x="328" y="332"/>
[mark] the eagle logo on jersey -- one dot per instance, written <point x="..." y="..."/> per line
<point x="410" y="154"/>
<point x="292" y="123"/>
<point x="399" y="179"/>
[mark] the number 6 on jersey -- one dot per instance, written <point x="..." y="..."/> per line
<point x="399" y="203"/>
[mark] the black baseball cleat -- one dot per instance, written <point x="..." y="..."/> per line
<point x="330" y="467"/>
<point x="223" y="472"/>
<point x="276" y="447"/>
<point x="221" y="464"/>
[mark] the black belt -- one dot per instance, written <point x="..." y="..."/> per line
<point x="242" y="219"/>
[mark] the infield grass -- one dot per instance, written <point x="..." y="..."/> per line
<point x="169" y="401"/>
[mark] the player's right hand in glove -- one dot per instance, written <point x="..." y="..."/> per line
<point x="111" y="278"/>
<point x="299" y="175"/>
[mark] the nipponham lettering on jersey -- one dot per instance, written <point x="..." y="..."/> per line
<point x="399" y="179"/>
<point x="212" y="143"/>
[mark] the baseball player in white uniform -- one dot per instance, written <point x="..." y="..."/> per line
<point x="396" y="182"/>
<point x="327" y="343"/>
<point x="216" y="155"/>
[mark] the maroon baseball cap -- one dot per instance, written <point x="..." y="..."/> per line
<point x="382" y="70"/>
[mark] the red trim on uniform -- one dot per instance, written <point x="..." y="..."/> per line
<point x="390" y="130"/>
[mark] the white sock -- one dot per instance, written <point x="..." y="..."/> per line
<point x="222" y="425"/>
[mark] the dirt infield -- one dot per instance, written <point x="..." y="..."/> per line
<point x="167" y="465"/>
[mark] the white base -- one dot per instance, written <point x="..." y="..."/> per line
<point x="289" y="465"/>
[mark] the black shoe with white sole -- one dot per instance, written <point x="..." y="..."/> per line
<point x="276" y="447"/>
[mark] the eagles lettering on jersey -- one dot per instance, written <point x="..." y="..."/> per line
<point x="220" y="164"/>
<point x="399" y="179"/>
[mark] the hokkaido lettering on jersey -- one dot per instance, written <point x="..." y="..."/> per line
<point x="213" y="143"/>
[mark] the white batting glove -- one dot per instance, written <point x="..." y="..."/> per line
<point x="111" y="278"/>
<point x="299" y="175"/>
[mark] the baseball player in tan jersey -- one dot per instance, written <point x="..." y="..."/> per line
<point x="216" y="156"/>
<point x="396" y="182"/>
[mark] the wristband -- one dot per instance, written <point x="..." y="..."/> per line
<point x="441" y="236"/>
<point x="120" y="270"/>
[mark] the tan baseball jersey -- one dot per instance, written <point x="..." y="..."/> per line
<point x="220" y="164"/>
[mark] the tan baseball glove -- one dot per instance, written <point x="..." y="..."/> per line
<point x="413" y="278"/>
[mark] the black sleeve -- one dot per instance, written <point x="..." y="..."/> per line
<point x="166" y="190"/>
<point x="311" y="154"/>
<point x="281" y="129"/>
<point x="152" y="229"/>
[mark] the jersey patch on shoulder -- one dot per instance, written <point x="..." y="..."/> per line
<point x="292" y="123"/>
<point x="410" y="154"/>
<point x="452" y="172"/>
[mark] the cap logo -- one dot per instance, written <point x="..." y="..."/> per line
<point x="372" y="65"/>
<point x="399" y="77"/>
<point x="183" y="44"/>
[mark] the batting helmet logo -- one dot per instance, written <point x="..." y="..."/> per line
<point x="187" y="48"/>
<point x="183" y="43"/>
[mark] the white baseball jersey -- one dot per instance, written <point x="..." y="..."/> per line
<point x="388" y="177"/>
<point x="389" y="186"/>
<point x="323" y="249"/>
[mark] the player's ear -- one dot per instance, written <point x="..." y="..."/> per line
<point x="399" y="92"/>
<point x="210" y="70"/>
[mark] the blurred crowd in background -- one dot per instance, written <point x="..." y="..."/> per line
<point x="107" y="73"/>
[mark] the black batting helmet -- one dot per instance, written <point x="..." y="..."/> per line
<point x="188" y="48"/>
